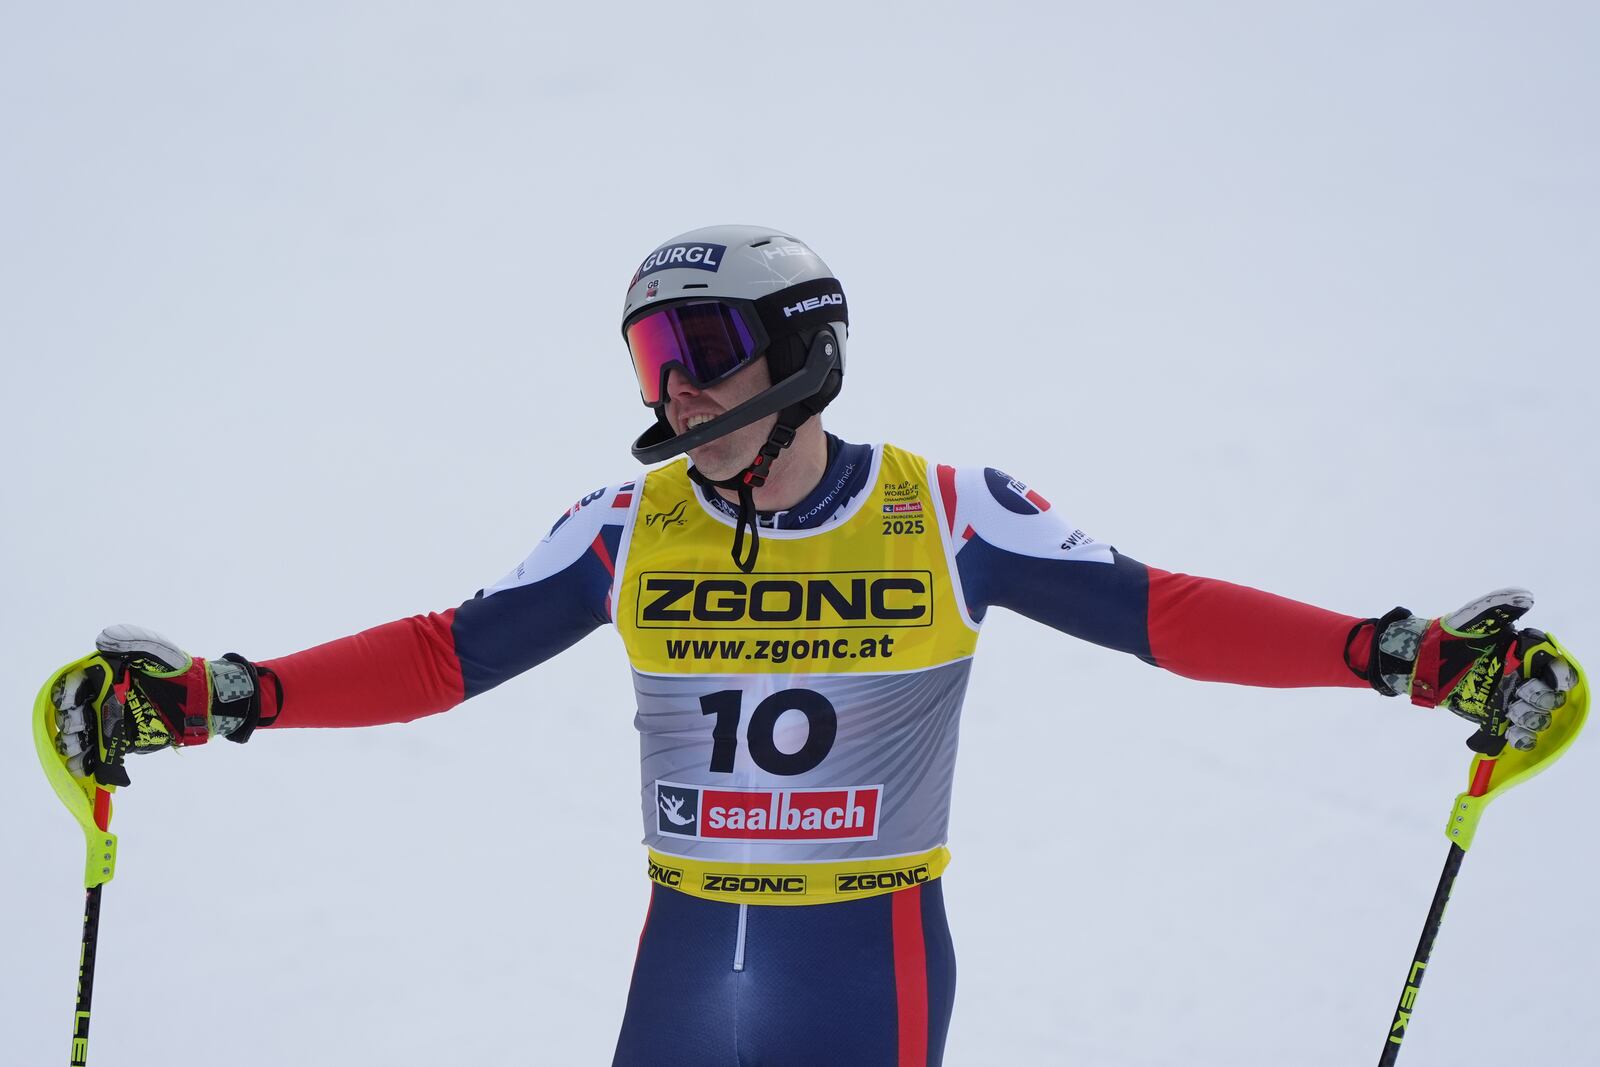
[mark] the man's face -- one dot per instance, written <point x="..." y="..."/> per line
<point x="730" y="453"/>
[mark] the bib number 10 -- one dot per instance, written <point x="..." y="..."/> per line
<point x="822" y="726"/>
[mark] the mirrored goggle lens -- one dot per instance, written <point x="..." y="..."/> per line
<point x="708" y="339"/>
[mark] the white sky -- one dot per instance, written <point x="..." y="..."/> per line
<point x="309" y="322"/>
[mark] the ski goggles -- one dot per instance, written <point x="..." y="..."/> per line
<point x="707" y="340"/>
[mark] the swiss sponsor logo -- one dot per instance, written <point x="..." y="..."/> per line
<point x="902" y="509"/>
<point x="687" y="600"/>
<point x="780" y="815"/>
<point x="1013" y="495"/>
<point x="1074" y="539"/>
<point x="878" y="881"/>
<point x="695" y="255"/>
<point x="752" y="883"/>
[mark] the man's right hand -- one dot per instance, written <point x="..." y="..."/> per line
<point x="161" y="697"/>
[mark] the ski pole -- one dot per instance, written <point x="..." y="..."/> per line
<point x="1494" y="770"/>
<point x="89" y="802"/>
<point x="1430" y="928"/>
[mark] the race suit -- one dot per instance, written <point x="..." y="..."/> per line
<point x="798" y="724"/>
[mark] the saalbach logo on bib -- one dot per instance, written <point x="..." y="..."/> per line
<point x="849" y="814"/>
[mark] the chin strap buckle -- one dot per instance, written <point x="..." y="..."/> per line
<point x="753" y="477"/>
<point x="781" y="437"/>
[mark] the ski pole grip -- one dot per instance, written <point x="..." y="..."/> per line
<point x="1487" y="743"/>
<point x="1497" y="766"/>
<point x="86" y="800"/>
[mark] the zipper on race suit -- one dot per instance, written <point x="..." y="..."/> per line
<point x="738" y="944"/>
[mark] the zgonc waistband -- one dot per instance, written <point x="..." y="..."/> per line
<point x="795" y="883"/>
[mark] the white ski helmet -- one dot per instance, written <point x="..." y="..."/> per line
<point x="712" y="301"/>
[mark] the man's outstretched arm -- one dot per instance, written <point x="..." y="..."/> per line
<point x="1014" y="550"/>
<point x="426" y="664"/>
<point x="396" y="672"/>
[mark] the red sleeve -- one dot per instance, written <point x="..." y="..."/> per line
<point x="396" y="672"/>
<point x="1219" y="632"/>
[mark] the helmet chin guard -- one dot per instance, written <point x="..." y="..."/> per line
<point x="823" y="354"/>
<point x="823" y="365"/>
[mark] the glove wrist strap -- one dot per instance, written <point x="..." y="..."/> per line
<point x="1378" y="663"/>
<point x="238" y="717"/>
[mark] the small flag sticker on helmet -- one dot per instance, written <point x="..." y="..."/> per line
<point x="652" y="289"/>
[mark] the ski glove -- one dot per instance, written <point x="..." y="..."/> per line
<point x="1475" y="662"/>
<point x="160" y="697"/>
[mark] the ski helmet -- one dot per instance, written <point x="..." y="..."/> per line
<point x="714" y="300"/>
<point x="709" y="303"/>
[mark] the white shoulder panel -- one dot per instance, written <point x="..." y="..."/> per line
<point x="1011" y="516"/>
<point x="572" y="535"/>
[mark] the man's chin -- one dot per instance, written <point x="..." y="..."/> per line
<point x="717" y="461"/>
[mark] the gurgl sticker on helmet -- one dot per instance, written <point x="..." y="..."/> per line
<point x="699" y="256"/>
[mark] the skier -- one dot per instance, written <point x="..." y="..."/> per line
<point x="798" y="706"/>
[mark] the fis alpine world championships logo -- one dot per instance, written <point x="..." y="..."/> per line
<point x="768" y="814"/>
<point x="1013" y="495"/>
<point x="694" y="254"/>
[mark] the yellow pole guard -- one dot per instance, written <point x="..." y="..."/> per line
<point x="1514" y="766"/>
<point x="78" y="794"/>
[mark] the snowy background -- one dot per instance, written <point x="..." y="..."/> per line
<point x="308" y="315"/>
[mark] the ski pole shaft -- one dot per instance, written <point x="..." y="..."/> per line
<point x="1430" y="930"/>
<point x="1419" y="962"/>
<point x="101" y="814"/>
<point x="80" y="1015"/>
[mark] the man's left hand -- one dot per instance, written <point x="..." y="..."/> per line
<point x="1475" y="662"/>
